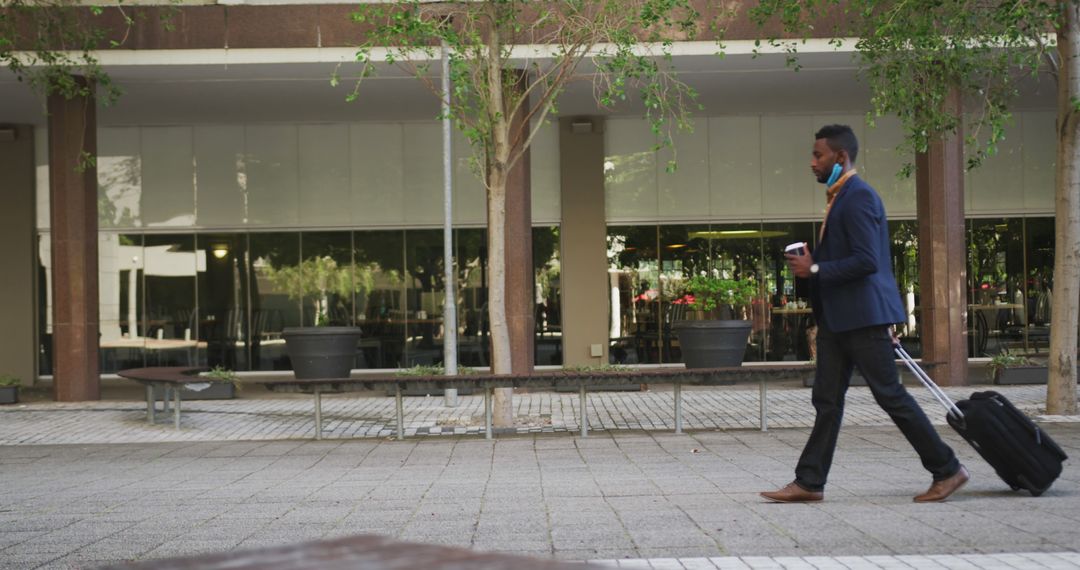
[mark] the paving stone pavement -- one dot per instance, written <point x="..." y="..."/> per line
<point x="89" y="484"/>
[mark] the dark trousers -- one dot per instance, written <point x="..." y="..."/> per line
<point x="869" y="349"/>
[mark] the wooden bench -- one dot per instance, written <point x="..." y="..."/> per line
<point x="579" y="380"/>
<point x="170" y="380"/>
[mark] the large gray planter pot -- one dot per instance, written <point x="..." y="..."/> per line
<point x="712" y="344"/>
<point x="9" y="394"/>
<point x="321" y="352"/>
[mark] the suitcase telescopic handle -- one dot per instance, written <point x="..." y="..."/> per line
<point x="936" y="391"/>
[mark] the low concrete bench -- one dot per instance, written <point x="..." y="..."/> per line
<point x="168" y="380"/>
<point x="579" y="380"/>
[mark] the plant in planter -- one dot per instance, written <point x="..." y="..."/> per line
<point x="1008" y="368"/>
<point x="717" y="336"/>
<point x="9" y="389"/>
<point x="223" y="384"/>
<point x="321" y="351"/>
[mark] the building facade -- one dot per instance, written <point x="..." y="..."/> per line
<point x="238" y="193"/>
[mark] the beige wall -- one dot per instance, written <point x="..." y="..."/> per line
<point x="18" y="346"/>
<point x="584" y="277"/>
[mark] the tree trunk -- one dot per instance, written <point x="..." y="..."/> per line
<point x="502" y="413"/>
<point x="1061" y="387"/>
<point x="500" y="333"/>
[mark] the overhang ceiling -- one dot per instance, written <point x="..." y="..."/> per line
<point x="301" y="92"/>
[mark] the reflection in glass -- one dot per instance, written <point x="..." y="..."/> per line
<point x="380" y="309"/>
<point x="634" y="270"/>
<point x="328" y="279"/>
<point x="548" y="316"/>
<point x="996" y="294"/>
<point x="791" y="322"/>
<point x="685" y="251"/>
<point x="272" y="268"/>
<point x="736" y="254"/>
<point x="470" y="245"/>
<point x="169" y="279"/>
<point x="222" y="289"/>
<point x="120" y="311"/>
<point x="905" y="266"/>
<point x="1039" y="256"/>
<point x="45" y="305"/>
<point x="424" y="294"/>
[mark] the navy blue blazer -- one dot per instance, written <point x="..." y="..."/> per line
<point x="854" y="286"/>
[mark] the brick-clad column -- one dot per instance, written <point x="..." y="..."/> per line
<point x="939" y="186"/>
<point x="520" y="296"/>
<point x="73" y="203"/>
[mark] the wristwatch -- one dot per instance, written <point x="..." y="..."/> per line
<point x="814" y="269"/>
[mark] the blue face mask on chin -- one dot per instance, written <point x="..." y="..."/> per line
<point x="837" y="170"/>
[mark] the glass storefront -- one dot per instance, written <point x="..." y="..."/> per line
<point x="224" y="299"/>
<point x="1009" y="285"/>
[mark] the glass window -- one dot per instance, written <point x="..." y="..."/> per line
<point x="120" y="312"/>
<point x="170" y="269"/>
<point x="273" y="270"/>
<point x="736" y="254"/>
<point x="996" y="310"/>
<point x="634" y="267"/>
<point x="790" y="321"/>
<point x="45" y="305"/>
<point x="380" y="297"/>
<point x="222" y="301"/>
<point x="684" y="251"/>
<point x="1039" y="256"/>
<point x="327" y="280"/>
<point x="424" y="294"/>
<point x="472" y="270"/>
<point x="548" y="315"/>
<point x="905" y="266"/>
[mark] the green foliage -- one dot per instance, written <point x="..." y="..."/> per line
<point x="220" y="374"/>
<point x="46" y="43"/>
<point x="709" y="293"/>
<point x="7" y="380"/>
<point x="491" y="82"/>
<point x="597" y="368"/>
<point x="316" y="277"/>
<point x="914" y="53"/>
<point x="434" y="370"/>
<point x="1003" y="360"/>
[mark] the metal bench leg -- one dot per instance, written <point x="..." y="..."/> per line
<point x="150" y="403"/>
<point x="318" y="414"/>
<point x="763" y="402"/>
<point x="678" y="408"/>
<point x="584" y="416"/>
<point x="176" y="404"/>
<point x="487" y="412"/>
<point x="399" y="406"/>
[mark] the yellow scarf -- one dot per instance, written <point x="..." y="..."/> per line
<point x="830" y="195"/>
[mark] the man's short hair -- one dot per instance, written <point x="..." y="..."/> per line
<point x="840" y="137"/>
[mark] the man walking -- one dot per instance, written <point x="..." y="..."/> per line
<point x="855" y="303"/>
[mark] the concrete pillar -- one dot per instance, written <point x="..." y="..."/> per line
<point x="939" y="186"/>
<point x="583" y="253"/>
<point x="520" y="296"/>
<point x="18" y="338"/>
<point x="73" y="204"/>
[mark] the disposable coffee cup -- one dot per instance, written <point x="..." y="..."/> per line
<point x="797" y="248"/>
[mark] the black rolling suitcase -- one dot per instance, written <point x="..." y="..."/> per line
<point x="1024" y="456"/>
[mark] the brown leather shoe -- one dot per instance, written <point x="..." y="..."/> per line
<point x="940" y="490"/>
<point x="793" y="493"/>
